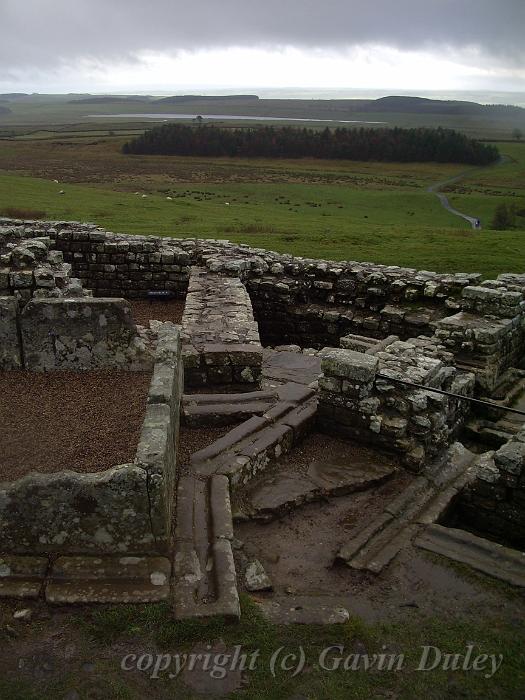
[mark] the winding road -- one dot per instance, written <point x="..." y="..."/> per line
<point x="474" y="221"/>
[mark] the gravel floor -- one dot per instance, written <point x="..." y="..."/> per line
<point x="85" y="421"/>
<point x="145" y="311"/>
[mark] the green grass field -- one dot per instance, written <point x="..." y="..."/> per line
<point x="374" y="212"/>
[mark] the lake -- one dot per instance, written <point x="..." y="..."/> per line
<point x="167" y="116"/>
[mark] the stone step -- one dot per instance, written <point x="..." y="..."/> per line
<point x="224" y="409"/>
<point x="383" y="547"/>
<point x="251" y="446"/>
<point x="488" y="557"/>
<point x="421" y="503"/>
<point x="108" y="579"/>
<point x="204" y="570"/>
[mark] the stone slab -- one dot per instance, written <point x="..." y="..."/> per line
<point x="303" y="611"/>
<point x="280" y="492"/>
<point x="282" y="367"/>
<point x="128" y="579"/>
<point x="483" y="555"/>
<point x="22" y="577"/>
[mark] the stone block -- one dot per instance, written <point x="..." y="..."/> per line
<point x="511" y="457"/>
<point x="83" y="333"/>
<point x="351" y="365"/>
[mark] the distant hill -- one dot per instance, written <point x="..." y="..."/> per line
<point x="423" y="105"/>
<point x="103" y="99"/>
<point x="4" y="110"/>
<point x="13" y="95"/>
<point x="181" y="99"/>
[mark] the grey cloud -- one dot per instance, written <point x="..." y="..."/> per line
<point x="49" y="33"/>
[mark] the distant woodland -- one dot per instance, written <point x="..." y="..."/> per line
<point x="397" y="144"/>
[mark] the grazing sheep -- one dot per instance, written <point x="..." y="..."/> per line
<point x="170" y="198"/>
<point x="144" y="196"/>
<point x="61" y="192"/>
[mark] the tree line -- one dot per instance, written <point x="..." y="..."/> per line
<point x="397" y="144"/>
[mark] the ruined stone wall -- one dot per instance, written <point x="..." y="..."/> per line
<point x="494" y="504"/>
<point x="311" y="303"/>
<point x="74" y="334"/>
<point x="29" y="268"/>
<point x="123" y="265"/>
<point x="219" y="335"/>
<point x="10" y="345"/>
<point x="126" y="509"/>
<point x="488" y="335"/>
<point x="360" y="399"/>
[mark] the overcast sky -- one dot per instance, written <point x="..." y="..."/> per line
<point x="169" y="45"/>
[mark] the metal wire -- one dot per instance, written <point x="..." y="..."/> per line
<point x="480" y="402"/>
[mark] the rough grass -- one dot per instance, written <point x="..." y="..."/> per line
<point x="21" y="213"/>
<point x="154" y="627"/>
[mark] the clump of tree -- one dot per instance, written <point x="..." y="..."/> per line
<point x="403" y="145"/>
<point x="504" y="217"/>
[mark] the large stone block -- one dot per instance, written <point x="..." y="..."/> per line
<point x="82" y="333"/>
<point x="70" y="512"/>
<point x="350" y="365"/>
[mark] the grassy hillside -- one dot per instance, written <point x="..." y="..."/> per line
<point x="337" y="210"/>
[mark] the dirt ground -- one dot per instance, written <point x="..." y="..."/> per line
<point x="145" y="311"/>
<point x="83" y="421"/>
<point x="298" y="550"/>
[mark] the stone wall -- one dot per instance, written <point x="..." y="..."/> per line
<point x="312" y="303"/>
<point x="10" y="345"/>
<point x="488" y="335"/>
<point x="359" y="398"/>
<point x="220" y="337"/>
<point x="83" y="333"/>
<point x="30" y="268"/>
<point x="494" y="504"/>
<point x="126" y="509"/>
